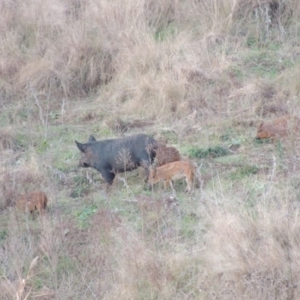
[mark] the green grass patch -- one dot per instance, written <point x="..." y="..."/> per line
<point x="3" y="234"/>
<point x="188" y="226"/>
<point x="22" y="140"/>
<point x="100" y="132"/>
<point x="84" y="215"/>
<point x="266" y="64"/>
<point x="38" y="282"/>
<point x="258" y="142"/>
<point x="237" y="159"/>
<point x="65" y="265"/>
<point x="166" y="32"/>
<point x="213" y="152"/>
<point x="80" y="188"/>
<point x="279" y="149"/>
<point x="4" y="119"/>
<point x="170" y="135"/>
<point x="253" y="196"/>
<point x="42" y="146"/>
<point x="236" y="71"/>
<point x="243" y="171"/>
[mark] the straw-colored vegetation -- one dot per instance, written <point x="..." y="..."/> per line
<point x="201" y="75"/>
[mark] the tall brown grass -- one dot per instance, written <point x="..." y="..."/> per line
<point x="253" y="254"/>
<point x="148" y="52"/>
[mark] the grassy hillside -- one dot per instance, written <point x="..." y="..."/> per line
<point x="201" y="75"/>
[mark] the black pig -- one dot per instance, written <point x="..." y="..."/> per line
<point x="118" y="155"/>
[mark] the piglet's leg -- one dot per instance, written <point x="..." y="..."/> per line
<point x="145" y="164"/>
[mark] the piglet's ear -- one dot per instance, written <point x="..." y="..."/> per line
<point x="81" y="147"/>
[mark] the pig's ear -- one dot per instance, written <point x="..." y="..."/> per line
<point x="92" y="138"/>
<point x="81" y="147"/>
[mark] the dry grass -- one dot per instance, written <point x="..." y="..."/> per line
<point x="199" y="74"/>
<point x="252" y="253"/>
<point x="151" y="52"/>
<point x="7" y="140"/>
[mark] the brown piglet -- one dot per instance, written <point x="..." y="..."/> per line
<point x="36" y="200"/>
